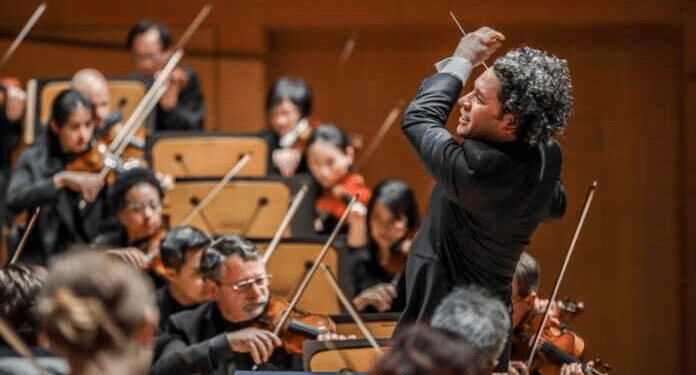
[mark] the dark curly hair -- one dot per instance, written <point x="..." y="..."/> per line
<point x="535" y="87"/>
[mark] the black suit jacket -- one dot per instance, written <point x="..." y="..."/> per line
<point x="194" y="342"/>
<point x="488" y="201"/>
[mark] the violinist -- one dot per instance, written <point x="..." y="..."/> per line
<point x="288" y="107"/>
<point x="135" y="200"/>
<point x="330" y="159"/>
<point x="181" y="251"/>
<point x="181" y="107"/>
<point x="92" y="84"/>
<point x="41" y="179"/>
<point x="378" y="262"/>
<point x="225" y="334"/>
<point x="526" y="302"/>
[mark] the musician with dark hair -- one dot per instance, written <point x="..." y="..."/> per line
<point x="181" y="107"/>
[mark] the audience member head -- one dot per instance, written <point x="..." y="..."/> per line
<point x="477" y="317"/>
<point x="99" y="313"/>
<point x="235" y="278"/>
<point x="92" y="84"/>
<point x="149" y="44"/>
<point x="71" y="122"/>
<point x="136" y="196"/>
<point x="288" y="101"/>
<point x="329" y="155"/>
<point x="421" y="350"/>
<point x="392" y="213"/>
<point x="19" y="286"/>
<point x="525" y="284"/>
<point x="180" y="251"/>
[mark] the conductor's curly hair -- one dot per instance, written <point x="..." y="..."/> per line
<point x="535" y="87"/>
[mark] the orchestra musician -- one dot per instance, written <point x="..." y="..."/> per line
<point x="181" y="251"/>
<point x="288" y="107"/>
<point x="223" y="334"/>
<point x="379" y="260"/>
<point x="181" y="107"/>
<point x="41" y="180"/>
<point x="135" y="200"/>
<point x="92" y="84"/>
<point x="330" y="159"/>
<point x="497" y="184"/>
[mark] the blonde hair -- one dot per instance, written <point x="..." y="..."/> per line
<point x="92" y="303"/>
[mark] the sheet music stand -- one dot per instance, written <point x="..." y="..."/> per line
<point x="381" y="325"/>
<point x="249" y="207"/>
<point x="288" y="265"/>
<point x="357" y="354"/>
<point x="208" y="155"/>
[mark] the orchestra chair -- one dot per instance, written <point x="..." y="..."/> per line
<point x="380" y="325"/>
<point x="355" y="355"/>
<point x="206" y="155"/>
<point x="126" y="93"/>
<point x="289" y="265"/>
<point x="247" y="207"/>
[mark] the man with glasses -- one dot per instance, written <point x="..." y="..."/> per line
<point x="222" y="335"/>
<point x="181" y="107"/>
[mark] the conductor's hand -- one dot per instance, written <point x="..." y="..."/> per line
<point x="87" y="184"/>
<point x="380" y="296"/>
<point x="259" y="343"/>
<point x="479" y="45"/>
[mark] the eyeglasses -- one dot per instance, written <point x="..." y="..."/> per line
<point x="140" y="207"/>
<point x="246" y="285"/>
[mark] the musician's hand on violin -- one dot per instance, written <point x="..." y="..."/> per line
<point x="479" y="45"/>
<point x="15" y="100"/>
<point x="131" y="255"/>
<point x="571" y="369"/>
<point x="540" y="306"/>
<point x="259" y="343"/>
<point x="87" y="184"/>
<point x="177" y="81"/>
<point x="286" y="160"/>
<point x="380" y="296"/>
<point x="517" y="368"/>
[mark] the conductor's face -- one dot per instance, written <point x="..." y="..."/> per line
<point x="243" y="290"/>
<point x="481" y="112"/>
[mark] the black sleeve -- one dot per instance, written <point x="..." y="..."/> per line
<point x="24" y="190"/>
<point x="189" y="111"/>
<point x="361" y="269"/>
<point x="176" y="356"/>
<point x="468" y="172"/>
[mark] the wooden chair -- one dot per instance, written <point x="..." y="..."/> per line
<point x="342" y="355"/>
<point x="289" y="264"/>
<point x="208" y="155"/>
<point x="249" y="207"/>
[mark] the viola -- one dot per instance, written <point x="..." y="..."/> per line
<point x="299" y="327"/>
<point x="333" y="202"/>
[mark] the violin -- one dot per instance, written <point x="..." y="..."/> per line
<point x="333" y="202"/>
<point x="299" y="327"/>
<point x="558" y="345"/>
<point x="151" y="248"/>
